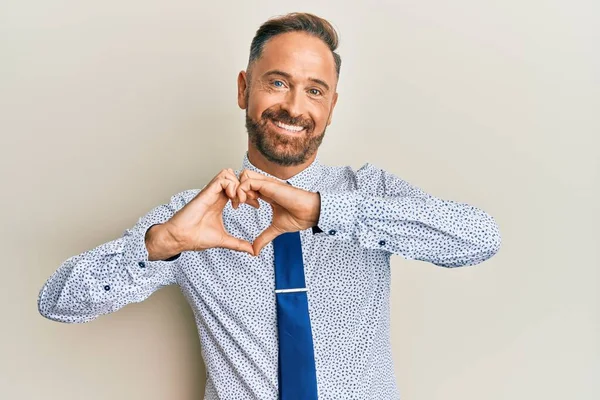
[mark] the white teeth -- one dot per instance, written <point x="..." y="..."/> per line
<point x="289" y="127"/>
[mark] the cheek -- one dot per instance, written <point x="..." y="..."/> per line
<point x="321" y="115"/>
<point x="258" y="104"/>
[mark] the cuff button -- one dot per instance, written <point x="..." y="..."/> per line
<point x="382" y="242"/>
<point x="142" y="264"/>
<point x="107" y="287"/>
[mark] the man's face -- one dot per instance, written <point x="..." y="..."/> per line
<point x="290" y="98"/>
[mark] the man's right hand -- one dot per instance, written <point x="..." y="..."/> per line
<point x="199" y="224"/>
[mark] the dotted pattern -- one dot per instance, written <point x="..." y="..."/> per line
<point x="366" y="216"/>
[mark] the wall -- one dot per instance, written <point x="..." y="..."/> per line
<point x="108" y="108"/>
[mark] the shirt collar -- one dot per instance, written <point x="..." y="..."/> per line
<point x="305" y="179"/>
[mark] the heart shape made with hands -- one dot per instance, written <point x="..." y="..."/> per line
<point x="294" y="209"/>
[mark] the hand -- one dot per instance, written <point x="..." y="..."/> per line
<point x="294" y="209"/>
<point x="199" y="224"/>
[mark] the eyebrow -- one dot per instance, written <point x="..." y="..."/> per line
<point x="288" y="76"/>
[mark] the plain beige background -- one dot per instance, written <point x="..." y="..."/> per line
<point x="108" y="108"/>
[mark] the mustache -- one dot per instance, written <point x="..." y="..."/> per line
<point x="284" y="117"/>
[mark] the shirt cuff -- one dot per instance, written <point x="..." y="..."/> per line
<point x="338" y="213"/>
<point x="136" y="255"/>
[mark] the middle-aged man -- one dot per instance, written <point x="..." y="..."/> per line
<point x="308" y="316"/>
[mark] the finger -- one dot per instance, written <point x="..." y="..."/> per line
<point x="248" y="174"/>
<point x="230" y="189"/>
<point x="249" y="197"/>
<point x="241" y="195"/>
<point x="229" y="173"/>
<point x="253" y="203"/>
<point x="238" y="197"/>
<point x="227" y="182"/>
<point x="244" y="196"/>
<point x="244" y="175"/>
<point x="233" y="243"/>
<point x="264" y="238"/>
<point x="264" y="187"/>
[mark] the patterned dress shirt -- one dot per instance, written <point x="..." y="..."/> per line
<point x="366" y="216"/>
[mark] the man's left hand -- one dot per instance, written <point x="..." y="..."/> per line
<point x="294" y="209"/>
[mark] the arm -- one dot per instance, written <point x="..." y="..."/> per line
<point x="385" y="212"/>
<point x="116" y="273"/>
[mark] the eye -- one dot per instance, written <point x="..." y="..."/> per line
<point x="318" y="92"/>
<point x="276" y="83"/>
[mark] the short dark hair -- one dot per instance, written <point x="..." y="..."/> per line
<point x="296" y="22"/>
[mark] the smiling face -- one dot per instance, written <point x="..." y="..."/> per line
<point x="290" y="98"/>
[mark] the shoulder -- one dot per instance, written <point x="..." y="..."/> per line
<point x="373" y="179"/>
<point x="366" y="169"/>
<point x="356" y="177"/>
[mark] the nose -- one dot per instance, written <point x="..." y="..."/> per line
<point x="293" y="103"/>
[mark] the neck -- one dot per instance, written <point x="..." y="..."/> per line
<point x="279" y="171"/>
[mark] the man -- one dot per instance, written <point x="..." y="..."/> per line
<point x="286" y="262"/>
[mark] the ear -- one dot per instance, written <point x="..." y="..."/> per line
<point x="243" y="86"/>
<point x="333" y="103"/>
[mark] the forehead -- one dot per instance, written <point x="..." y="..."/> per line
<point x="299" y="54"/>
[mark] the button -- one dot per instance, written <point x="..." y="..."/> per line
<point x="332" y="232"/>
<point x="142" y="264"/>
<point x="382" y="242"/>
<point x="107" y="287"/>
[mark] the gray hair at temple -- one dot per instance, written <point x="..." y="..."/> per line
<point x="295" y="22"/>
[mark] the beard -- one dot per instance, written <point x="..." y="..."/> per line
<point x="284" y="150"/>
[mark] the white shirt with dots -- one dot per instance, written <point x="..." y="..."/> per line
<point x="366" y="216"/>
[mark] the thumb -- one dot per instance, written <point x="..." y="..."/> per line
<point x="233" y="243"/>
<point x="264" y="238"/>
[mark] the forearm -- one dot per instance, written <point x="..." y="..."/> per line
<point x="103" y="280"/>
<point x="116" y="273"/>
<point x="425" y="228"/>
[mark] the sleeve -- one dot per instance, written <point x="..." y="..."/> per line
<point x="385" y="212"/>
<point x="112" y="275"/>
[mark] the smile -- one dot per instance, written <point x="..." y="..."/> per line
<point x="287" y="128"/>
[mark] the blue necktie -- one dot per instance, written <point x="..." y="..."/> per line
<point x="297" y="374"/>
